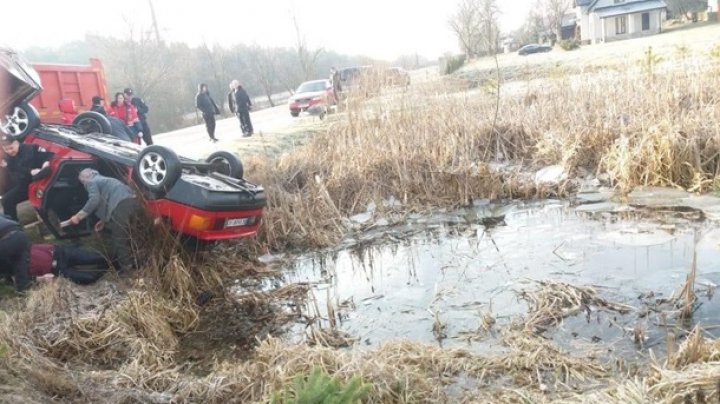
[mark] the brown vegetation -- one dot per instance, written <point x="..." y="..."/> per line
<point x="118" y="341"/>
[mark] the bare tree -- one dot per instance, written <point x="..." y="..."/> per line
<point x="554" y="11"/>
<point x="475" y="24"/>
<point x="681" y="8"/>
<point x="307" y="57"/>
<point x="263" y="67"/>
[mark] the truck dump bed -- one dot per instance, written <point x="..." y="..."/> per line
<point x="78" y="83"/>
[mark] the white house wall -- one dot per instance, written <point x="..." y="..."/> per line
<point x="585" y="33"/>
<point x="634" y="26"/>
<point x="596" y="28"/>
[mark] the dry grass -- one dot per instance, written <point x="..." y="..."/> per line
<point x="115" y="342"/>
<point x="553" y="301"/>
<point x="430" y="148"/>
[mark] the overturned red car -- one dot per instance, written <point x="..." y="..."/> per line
<point x="206" y="200"/>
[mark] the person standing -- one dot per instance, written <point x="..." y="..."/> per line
<point x="142" y="111"/>
<point x="335" y="80"/>
<point x="14" y="253"/>
<point x="114" y="204"/>
<point x="97" y="105"/>
<point x="206" y="105"/>
<point x="22" y="161"/>
<point x="122" y="109"/>
<point x="231" y="97"/>
<point x="243" y="106"/>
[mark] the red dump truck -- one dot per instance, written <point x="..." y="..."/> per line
<point x="68" y="90"/>
<point x="62" y="91"/>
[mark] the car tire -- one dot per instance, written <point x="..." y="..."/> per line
<point x="226" y="163"/>
<point x="22" y="120"/>
<point x="92" y="122"/>
<point x="157" y="169"/>
<point x="295" y="114"/>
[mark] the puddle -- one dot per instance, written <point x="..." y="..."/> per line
<point x="392" y="282"/>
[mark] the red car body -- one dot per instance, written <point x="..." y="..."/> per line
<point x="206" y="206"/>
<point x="316" y="95"/>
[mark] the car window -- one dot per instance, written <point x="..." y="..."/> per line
<point x="312" y="87"/>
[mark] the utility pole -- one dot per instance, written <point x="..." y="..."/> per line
<point x="154" y="22"/>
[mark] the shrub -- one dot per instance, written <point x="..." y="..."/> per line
<point x="454" y="63"/>
<point x="319" y="388"/>
<point x="569" y="44"/>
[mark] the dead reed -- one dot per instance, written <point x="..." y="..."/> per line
<point x="434" y="145"/>
<point x="553" y="301"/>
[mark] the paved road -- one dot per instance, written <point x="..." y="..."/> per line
<point x="194" y="142"/>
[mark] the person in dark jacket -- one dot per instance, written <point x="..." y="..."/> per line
<point x="22" y="162"/>
<point x="335" y="80"/>
<point x="14" y="253"/>
<point x="206" y="105"/>
<point x="242" y="109"/>
<point x="97" y="105"/>
<point x="78" y="265"/>
<point x="114" y="203"/>
<point x="142" y="110"/>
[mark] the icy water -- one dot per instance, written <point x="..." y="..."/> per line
<point x="394" y="281"/>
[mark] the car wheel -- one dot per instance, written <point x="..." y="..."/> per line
<point x="295" y="114"/>
<point x="22" y="120"/>
<point x="226" y="163"/>
<point x="157" y="169"/>
<point x="92" y="122"/>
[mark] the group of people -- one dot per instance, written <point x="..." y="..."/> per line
<point x="127" y="115"/>
<point x="238" y="101"/>
<point x="110" y="201"/>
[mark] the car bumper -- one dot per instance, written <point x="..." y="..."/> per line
<point x="206" y="225"/>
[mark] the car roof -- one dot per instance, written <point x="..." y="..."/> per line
<point x="315" y="81"/>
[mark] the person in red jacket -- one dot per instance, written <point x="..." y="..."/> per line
<point x="123" y="109"/>
<point x="78" y="265"/>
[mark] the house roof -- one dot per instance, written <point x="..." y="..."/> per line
<point x="582" y="3"/>
<point x="627" y="7"/>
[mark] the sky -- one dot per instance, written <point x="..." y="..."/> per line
<point x="384" y="29"/>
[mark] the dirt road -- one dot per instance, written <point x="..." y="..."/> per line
<point x="275" y="131"/>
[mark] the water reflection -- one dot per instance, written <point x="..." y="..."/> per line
<point x="401" y="278"/>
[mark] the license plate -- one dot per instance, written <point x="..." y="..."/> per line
<point x="304" y="105"/>
<point x="239" y="222"/>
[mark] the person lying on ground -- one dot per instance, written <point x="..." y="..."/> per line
<point x="78" y="265"/>
<point x="114" y="203"/>
<point x="14" y="253"/>
<point x="22" y="162"/>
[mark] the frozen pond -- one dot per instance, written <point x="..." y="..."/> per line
<point x="394" y="282"/>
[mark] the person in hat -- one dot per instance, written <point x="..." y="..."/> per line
<point x="205" y="103"/>
<point x="97" y="105"/>
<point x="242" y="108"/>
<point x="142" y="111"/>
<point x="22" y="162"/>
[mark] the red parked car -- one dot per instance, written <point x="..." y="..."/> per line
<point x="314" y="97"/>
<point x="204" y="200"/>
